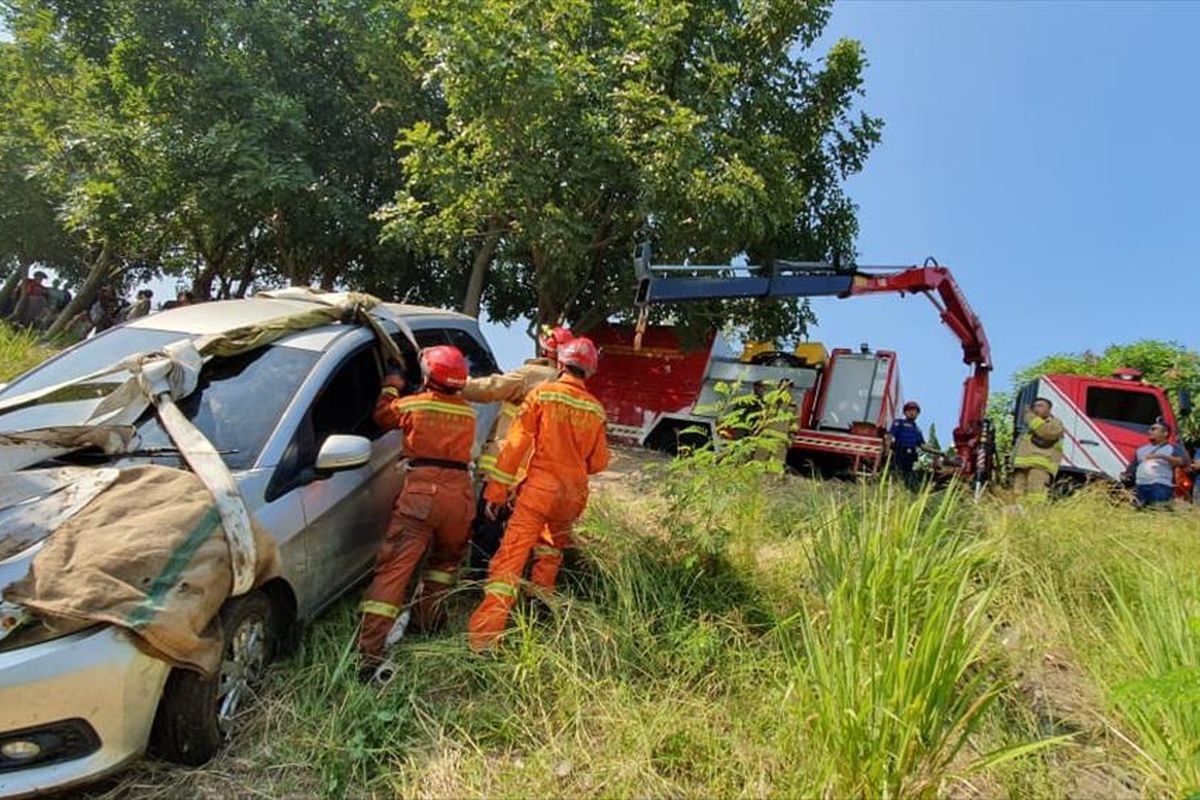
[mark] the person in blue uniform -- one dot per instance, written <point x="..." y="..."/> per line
<point x="906" y="442"/>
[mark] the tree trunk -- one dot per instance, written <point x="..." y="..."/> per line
<point x="329" y="274"/>
<point x="8" y="293"/>
<point x="246" y="278"/>
<point x="479" y="268"/>
<point x="202" y="283"/>
<point x="549" y="306"/>
<point x="100" y="272"/>
<point x="247" y="269"/>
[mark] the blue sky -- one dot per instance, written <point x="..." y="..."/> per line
<point x="1045" y="151"/>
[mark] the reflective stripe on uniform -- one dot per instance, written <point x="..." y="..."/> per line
<point x="440" y="576"/>
<point x="379" y="609"/>
<point x="510" y="410"/>
<point x="1035" y="462"/>
<point x="574" y="402"/>
<point x="501" y="477"/>
<point x="391" y="391"/>
<point x="546" y="550"/>
<point x="502" y="589"/>
<point x="435" y="405"/>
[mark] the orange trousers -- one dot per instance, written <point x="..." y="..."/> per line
<point x="540" y="526"/>
<point x="433" y="513"/>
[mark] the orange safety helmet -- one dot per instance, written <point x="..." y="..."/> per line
<point x="444" y="366"/>
<point x="551" y="339"/>
<point x="581" y="354"/>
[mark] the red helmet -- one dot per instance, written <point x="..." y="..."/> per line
<point x="580" y="353"/>
<point x="551" y="339"/>
<point x="444" y="366"/>
<point x="914" y="405"/>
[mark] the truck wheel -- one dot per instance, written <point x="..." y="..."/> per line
<point x="196" y="714"/>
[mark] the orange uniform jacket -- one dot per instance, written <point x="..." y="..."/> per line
<point x="511" y="389"/>
<point x="563" y="425"/>
<point x="435" y="425"/>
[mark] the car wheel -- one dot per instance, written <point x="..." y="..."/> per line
<point x="196" y="714"/>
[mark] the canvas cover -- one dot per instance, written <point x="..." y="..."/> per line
<point x="154" y="550"/>
<point x="146" y="554"/>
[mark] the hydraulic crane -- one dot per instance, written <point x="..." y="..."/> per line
<point x="676" y="283"/>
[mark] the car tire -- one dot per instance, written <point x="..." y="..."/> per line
<point x="196" y="714"/>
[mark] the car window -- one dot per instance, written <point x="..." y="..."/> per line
<point x="344" y="405"/>
<point x="412" y="375"/>
<point x="238" y="402"/>
<point x="479" y="360"/>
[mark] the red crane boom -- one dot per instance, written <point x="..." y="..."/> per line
<point x="685" y="282"/>
<point x="938" y="285"/>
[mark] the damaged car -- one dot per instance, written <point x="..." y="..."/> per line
<point x="288" y="416"/>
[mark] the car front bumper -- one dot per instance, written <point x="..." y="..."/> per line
<point x="95" y="685"/>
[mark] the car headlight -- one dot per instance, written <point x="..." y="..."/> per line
<point x="47" y="744"/>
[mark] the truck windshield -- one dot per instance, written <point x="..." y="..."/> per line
<point x="1132" y="410"/>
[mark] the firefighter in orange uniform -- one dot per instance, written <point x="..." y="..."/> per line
<point x="434" y="508"/>
<point x="562" y="425"/>
<point x="510" y="389"/>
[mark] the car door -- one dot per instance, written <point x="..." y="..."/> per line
<point x="346" y="512"/>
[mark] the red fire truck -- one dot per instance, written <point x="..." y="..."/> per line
<point x="1105" y="420"/>
<point x="654" y="389"/>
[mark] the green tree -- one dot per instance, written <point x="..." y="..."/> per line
<point x="573" y="129"/>
<point x="222" y="142"/>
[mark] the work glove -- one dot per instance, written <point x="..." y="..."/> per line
<point x="394" y="380"/>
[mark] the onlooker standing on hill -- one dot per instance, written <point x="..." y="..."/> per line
<point x="141" y="306"/>
<point x="1038" y="451"/>
<point x="31" y="302"/>
<point x="1153" y="468"/>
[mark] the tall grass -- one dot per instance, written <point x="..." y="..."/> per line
<point x="721" y="632"/>
<point x="890" y="655"/>
<point x="19" y="351"/>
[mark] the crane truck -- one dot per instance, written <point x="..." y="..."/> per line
<point x="654" y="389"/>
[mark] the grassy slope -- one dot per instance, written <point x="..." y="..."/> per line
<point x="724" y="634"/>
<point x="18" y="352"/>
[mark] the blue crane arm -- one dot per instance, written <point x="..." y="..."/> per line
<point x="784" y="279"/>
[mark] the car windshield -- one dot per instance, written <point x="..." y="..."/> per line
<point x="236" y="404"/>
<point x="104" y="350"/>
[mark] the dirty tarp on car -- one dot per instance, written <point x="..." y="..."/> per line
<point x="147" y="554"/>
<point x="171" y="620"/>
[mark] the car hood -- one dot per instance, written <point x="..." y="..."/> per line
<point x="34" y="503"/>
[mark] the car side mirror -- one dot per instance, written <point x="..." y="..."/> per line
<point x="1185" y="403"/>
<point x="341" y="452"/>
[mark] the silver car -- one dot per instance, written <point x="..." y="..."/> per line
<point x="80" y="706"/>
